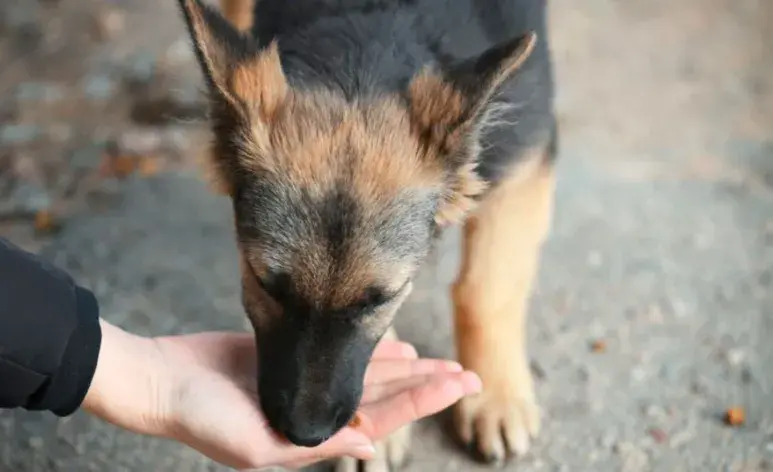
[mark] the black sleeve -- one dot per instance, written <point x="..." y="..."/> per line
<point x="49" y="335"/>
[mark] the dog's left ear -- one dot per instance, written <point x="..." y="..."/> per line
<point x="451" y="108"/>
<point x="237" y="71"/>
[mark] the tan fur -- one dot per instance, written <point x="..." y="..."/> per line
<point x="443" y="118"/>
<point x="315" y="137"/>
<point x="436" y="108"/>
<point x="261" y="83"/>
<point x="312" y="142"/>
<point x="501" y="251"/>
<point x="238" y="12"/>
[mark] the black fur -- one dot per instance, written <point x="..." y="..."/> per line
<point x="365" y="47"/>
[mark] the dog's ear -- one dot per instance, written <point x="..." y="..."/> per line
<point x="236" y="70"/>
<point x="451" y="108"/>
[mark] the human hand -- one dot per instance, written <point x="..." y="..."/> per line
<point x="202" y="392"/>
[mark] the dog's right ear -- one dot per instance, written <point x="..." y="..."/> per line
<point x="236" y="70"/>
<point x="245" y="84"/>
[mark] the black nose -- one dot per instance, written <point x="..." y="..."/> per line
<point x="311" y="430"/>
<point x="306" y="438"/>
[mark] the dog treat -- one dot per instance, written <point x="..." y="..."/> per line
<point x="735" y="416"/>
<point x="598" y="346"/>
<point x="356" y="421"/>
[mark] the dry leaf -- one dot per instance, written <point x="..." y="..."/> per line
<point x="44" y="221"/>
<point x="735" y="416"/>
<point x="148" y="166"/>
<point x="598" y="346"/>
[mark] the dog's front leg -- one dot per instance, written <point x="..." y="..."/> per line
<point x="501" y="252"/>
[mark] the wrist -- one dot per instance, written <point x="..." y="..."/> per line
<point x="128" y="387"/>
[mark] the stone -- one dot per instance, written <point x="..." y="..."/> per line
<point x="99" y="87"/>
<point x="141" y="69"/>
<point x="108" y="23"/>
<point x="25" y="199"/>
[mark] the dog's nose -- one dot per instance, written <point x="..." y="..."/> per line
<point x="306" y="438"/>
<point x="311" y="430"/>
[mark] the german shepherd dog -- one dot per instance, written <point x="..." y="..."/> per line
<point x="348" y="134"/>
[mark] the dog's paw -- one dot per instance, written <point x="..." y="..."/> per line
<point x="495" y="427"/>
<point x="391" y="455"/>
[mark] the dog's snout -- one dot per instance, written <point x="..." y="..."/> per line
<point x="311" y="425"/>
<point x="309" y="386"/>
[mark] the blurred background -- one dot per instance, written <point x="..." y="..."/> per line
<point x="653" y="312"/>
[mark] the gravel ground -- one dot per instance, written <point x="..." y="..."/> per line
<point x="662" y="246"/>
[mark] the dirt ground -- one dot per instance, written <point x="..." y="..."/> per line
<point x="662" y="245"/>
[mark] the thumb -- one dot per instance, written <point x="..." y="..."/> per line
<point x="347" y="443"/>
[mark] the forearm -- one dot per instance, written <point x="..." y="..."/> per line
<point x="49" y="335"/>
<point x="126" y="388"/>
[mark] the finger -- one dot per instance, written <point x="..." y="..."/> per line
<point x="380" y="391"/>
<point x="382" y="371"/>
<point x="388" y="415"/>
<point x="391" y="349"/>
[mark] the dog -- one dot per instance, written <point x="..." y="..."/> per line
<point x="348" y="135"/>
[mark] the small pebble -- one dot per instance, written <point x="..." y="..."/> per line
<point x="735" y="356"/>
<point x="658" y="435"/>
<point x="179" y="53"/>
<point x="654" y="411"/>
<point x="142" y="68"/>
<point x="25" y="199"/>
<point x="143" y="140"/>
<point x="682" y="437"/>
<point x="638" y="374"/>
<point x="99" y="87"/>
<point x="669" y="372"/>
<point x="537" y="370"/>
<point x="36" y="442"/>
<point x="108" y="23"/>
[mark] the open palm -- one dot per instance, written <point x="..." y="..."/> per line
<point x="214" y="407"/>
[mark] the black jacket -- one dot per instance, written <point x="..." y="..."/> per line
<point x="49" y="335"/>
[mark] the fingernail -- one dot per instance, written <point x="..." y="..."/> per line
<point x="410" y="351"/>
<point x="472" y="383"/>
<point x="452" y="366"/>
<point x="366" y="450"/>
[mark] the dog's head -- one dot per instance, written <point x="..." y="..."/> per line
<point x="336" y="204"/>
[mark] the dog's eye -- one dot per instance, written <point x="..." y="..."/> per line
<point x="376" y="296"/>
<point x="275" y="286"/>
